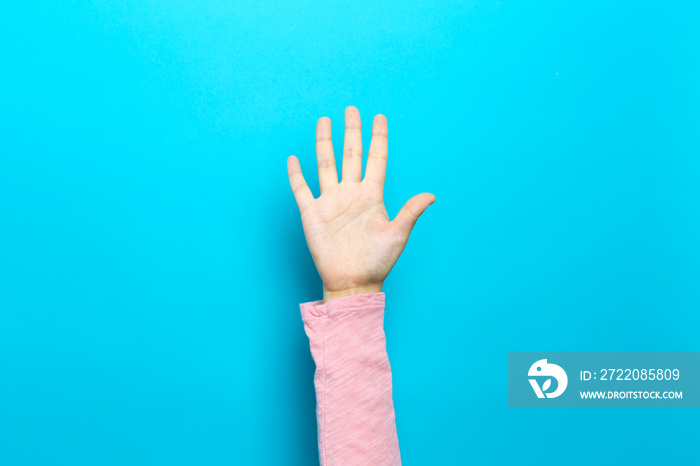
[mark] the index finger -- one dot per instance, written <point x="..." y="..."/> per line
<point x="378" y="151"/>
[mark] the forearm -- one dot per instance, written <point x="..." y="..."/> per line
<point x="355" y="410"/>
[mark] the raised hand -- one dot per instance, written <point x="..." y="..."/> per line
<point x="352" y="241"/>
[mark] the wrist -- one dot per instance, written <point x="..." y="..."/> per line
<point x="332" y="294"/>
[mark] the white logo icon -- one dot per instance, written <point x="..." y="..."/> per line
<point x="542" y="368"/>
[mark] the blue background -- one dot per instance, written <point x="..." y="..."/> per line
<point x="152" y="258"/>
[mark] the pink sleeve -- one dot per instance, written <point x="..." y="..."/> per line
<point x="354" y="405"/>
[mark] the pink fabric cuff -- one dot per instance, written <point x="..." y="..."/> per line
<point x="359" y="302"/>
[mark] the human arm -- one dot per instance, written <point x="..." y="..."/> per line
<point x="354" y="246"/>
<point x="355" y="409"/>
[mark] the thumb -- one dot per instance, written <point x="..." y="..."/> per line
<point x="409" y="213"/>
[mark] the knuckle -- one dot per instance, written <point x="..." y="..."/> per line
<point x="326" y="163"/>
<point x="351" y="152"/>
<point x="377" y="155"/>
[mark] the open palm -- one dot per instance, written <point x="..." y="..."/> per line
<point x="353" y="242"/>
